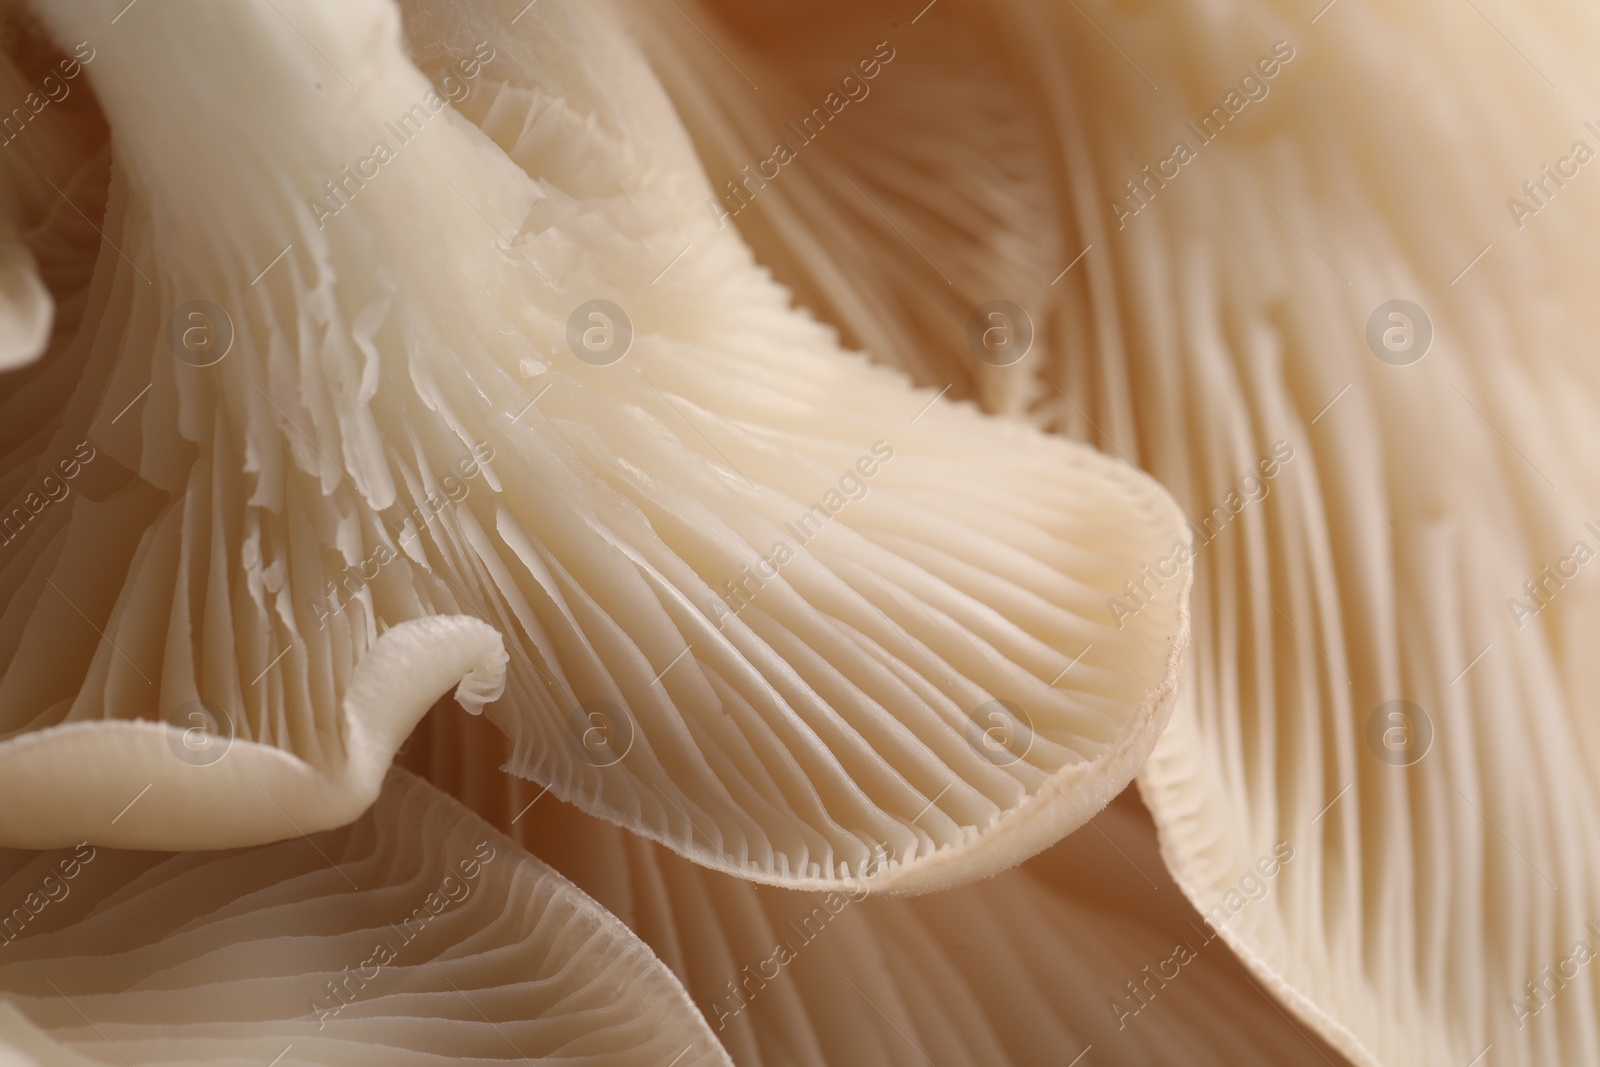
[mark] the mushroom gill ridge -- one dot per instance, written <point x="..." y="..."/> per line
<point x="429" y="379"/>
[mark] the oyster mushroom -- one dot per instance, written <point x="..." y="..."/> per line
<point x="1087" y="950"/>
<point x="418" y="934"/>
<point x="1421" y="546"/>
<point x="362" y="437"/>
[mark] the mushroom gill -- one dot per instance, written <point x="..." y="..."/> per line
<point x="416" y="935"/>
<point x="1351" y="329"/>
<point x="400" y="377"/>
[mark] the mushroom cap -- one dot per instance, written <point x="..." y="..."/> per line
<point x="1089" y="947"/>
<point x="1392" y="669"/>
<point x="418" y="934"/>
<point x="721" y="582"/>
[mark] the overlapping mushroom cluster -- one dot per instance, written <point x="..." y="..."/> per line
<point x="372" y="357"/>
